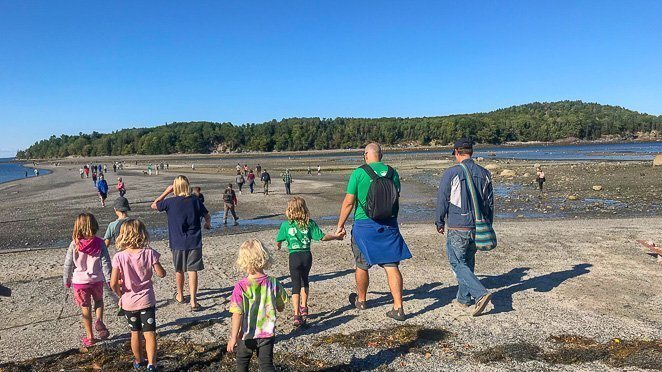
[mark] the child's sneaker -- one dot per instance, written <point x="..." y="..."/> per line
<point x="87" y="342"/>
<point x="138" y="365"/>
<point x="151" y="368"/>
<point x="298" y="320"/>
<point x="101" y="329"/>
<point x="303" y="311"/>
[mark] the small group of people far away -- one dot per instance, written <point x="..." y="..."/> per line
<point x="372" y="194"/>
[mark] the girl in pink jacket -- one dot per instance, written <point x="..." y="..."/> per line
<point x="86" y="268"/>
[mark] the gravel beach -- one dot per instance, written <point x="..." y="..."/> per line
<point x="572" y="288"/>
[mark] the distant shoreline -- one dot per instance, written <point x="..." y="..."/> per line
<point x="313" y="153"/>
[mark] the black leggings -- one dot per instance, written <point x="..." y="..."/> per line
<point x="263" y="347"/>
<point x="300" y="264"/>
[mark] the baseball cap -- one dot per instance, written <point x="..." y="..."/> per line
<point x="121" y="204"/>
<point x="462" y="143"/>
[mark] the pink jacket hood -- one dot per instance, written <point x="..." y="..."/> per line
<point x="91" y="247"/>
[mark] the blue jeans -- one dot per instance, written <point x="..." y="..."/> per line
<point x="461" y="251"/>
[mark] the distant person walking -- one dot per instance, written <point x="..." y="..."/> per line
<point x="540" y="178"/>
<point x="251" y="180"/>
<point x="114" y="167"/>
<point x="184" y="234"/>
<point x="266" y="180"/>
<point x="319" y="170"/>
<point x="36" y="172"/>
<point x="374" y="190"/>
<point x="245" y="169"/>
<point x="197" y="191"/>
<point x="87" y="171"/>
<point x="94" y="179"/>
<point x="258" y="169"/>
<point x="102" y="187"/>
<point x="238" y="167"/>
<point x="240" y="180"/>
<point x="310" y="171"/>
<point x="81" y="171"/>
<point x="455" y="209"/>
<point x="230" y="201"/>
<point x="105" y="168"/>
<point x="120" y="186"/>
<point x="287" y="180"/>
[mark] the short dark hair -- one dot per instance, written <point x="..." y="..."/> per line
<point x="465" y="151"/>
<point x="229" y="185"/>
<point x="197" y="188"/>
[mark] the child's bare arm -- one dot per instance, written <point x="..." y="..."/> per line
<point x="237" y="320"/>
<point x="165" y="193"/>
<point x="115" y="281"/>
<point x="159" y="270"/>
<point x="328" y="237"/>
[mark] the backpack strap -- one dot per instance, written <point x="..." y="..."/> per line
<point x="390" y="173"/>
<point x="371" y="172"/>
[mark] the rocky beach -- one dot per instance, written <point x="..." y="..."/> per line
<point x="572" y="288"/>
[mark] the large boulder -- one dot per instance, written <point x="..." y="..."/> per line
<point x="658" y="160"/>
<point x="507" y="173"/>
<point x="491" y="167"/>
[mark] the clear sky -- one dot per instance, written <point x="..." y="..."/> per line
<point x="79" y="66"/>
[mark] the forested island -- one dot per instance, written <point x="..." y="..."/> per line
<point x="530" y="122"/>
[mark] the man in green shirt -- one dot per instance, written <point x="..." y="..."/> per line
<point x="355" y="199"/>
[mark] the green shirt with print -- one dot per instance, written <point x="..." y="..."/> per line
<point x="298" y="239"/>
<point x="359" y="184"/>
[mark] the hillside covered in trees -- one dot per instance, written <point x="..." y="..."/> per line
<point x="530" y="122"/>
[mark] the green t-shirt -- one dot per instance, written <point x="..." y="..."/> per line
<point x="359" y="184"/>
<point x="299" y="239"/>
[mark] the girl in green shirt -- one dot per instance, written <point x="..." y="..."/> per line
<point x="298" y="231"/>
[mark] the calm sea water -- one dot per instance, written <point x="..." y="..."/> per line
<point x="10" y="171"/>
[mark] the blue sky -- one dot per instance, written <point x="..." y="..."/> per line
<point x="79" y="66"/>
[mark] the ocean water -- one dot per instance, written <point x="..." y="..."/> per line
<point x="10" y="171"/>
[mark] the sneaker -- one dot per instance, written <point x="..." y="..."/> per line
<point x="459" y="305"/>
<point x="101" y="329"/>
<point x="303" y="311"/>
<point x="298" y="320"/>
<point x="138" y="365"/>
<point x="354" y="300"/>
<point x="151" y="368"/>
<point x="87" y="342"/>
<point x="481" y="304"/>
<point x="235" y="223"/>
<point x="397" y="314"/>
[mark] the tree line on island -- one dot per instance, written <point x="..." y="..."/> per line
<point x="530" y="122"/>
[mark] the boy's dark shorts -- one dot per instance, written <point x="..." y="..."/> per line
<point x="142" y="320"/>
<point x="187" y="260"/>
<point x="360" y="261"/>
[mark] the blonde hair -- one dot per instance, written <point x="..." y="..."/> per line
<point x="85" y="226"/>
<point x="181" y="186"/>
<point x="133" y="234"/>
<point x="297" y="211"/>
<point x="253" y="256"/>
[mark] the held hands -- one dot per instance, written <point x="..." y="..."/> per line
<point x="441" y="230"/>
<point x="340" y="231"/>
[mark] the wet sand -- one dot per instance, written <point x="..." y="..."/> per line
<point x="581" y="276"/>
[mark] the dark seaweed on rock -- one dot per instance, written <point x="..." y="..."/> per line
<point x="577" y="349"/>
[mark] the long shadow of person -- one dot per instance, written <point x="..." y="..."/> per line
<point x="503" y="299"/>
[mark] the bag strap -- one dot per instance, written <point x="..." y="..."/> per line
<point x="371" y="172"/>
<point x="472" y="192"/>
